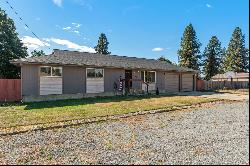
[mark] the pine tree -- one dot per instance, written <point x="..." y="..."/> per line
<point x="37" y="53"/>
<point x="102" y="45"/>
<point x="162" y="58"/>
<point x="237" y="56"/>
<point x="11" y="47"/>
<point x="222" y="68"/>
<point x="212" y="58"/>
<point x="189" y="53"/>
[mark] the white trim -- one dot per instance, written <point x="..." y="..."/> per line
<point x="51" y="71"/>
<point x="94" y="68"/>
<point x="144" y="79"/>
<point x="95" y="78"/>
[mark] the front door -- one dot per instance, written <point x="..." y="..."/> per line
<point x="128" y="76"/>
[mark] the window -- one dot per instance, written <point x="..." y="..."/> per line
<point x="47" y="71"/>
<point x="148" y="76"/>
<point x="94" y="73"/>
<point x="56" y="71"/>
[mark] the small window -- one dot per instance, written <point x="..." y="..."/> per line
<point x="148" y="76"/>
<point x="91" y="73"/>
<point x="56" y="71"/>
<point x="98" y="73"/>
<point x="94" y="73"/>
<point x="50" y="71"/>
<point x="45" y="71"/>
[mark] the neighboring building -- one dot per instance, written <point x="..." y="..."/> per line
<point x="231" y="80"/>
<point x="71" y="74"/>
<point x="231" y="76"/>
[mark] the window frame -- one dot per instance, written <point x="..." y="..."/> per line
<point x="144" y="76"/>
<point x="51" y="71"/>
<point x="95" y="73"/>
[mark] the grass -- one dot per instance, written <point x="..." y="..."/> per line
<point x="17" y="114"/>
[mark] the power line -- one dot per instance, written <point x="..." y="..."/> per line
<point x="21" y="19"/>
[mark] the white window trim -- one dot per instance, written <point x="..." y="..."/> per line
<point x="144" y="79"/>
<point x="51" y="72"/>
<point x="94" y="77"/>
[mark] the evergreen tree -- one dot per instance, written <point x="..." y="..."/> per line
<point x="11" y="47"/>
<point x="237" y="56"/>
<point x="223" y="57"/>
<point x="212" y="58"/>
<point x="189" y="53"/>
<point x="162" y="58"/>
<point x="102" y="45"/>
<point x="36" y="53"/>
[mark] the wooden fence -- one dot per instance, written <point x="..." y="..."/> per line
<point x="10" y="90"/>
<point x="214" y="85"/>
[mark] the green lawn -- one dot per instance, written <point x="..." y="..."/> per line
<point x="54" y="111"/>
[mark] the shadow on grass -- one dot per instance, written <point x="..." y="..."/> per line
<point x="85" y="101"/>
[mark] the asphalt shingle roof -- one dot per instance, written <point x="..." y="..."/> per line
<point x="65" y="57"/>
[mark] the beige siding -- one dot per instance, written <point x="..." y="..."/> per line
<point x="74" y="80"/>
<point x="160" y="80"/>
<point x="95" y="85"/>
<point x="151" y="86"/>
<point x="50" y="85"/>
<point x="111" y="76"/>
<point x="30" y="80"/>
<point x="187" y="82"/>
<point x="136" y="74"/>
<point x="172" y="82"/>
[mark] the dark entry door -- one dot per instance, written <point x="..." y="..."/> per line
<point x="128" y="76"/>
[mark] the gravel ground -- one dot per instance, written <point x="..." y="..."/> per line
<point x="218" y="135"/>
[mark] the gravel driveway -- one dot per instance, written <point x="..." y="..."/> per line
<point x="218" y="135"/>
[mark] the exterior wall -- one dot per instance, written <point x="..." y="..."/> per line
<point x="160" y="80"/>
<point x="187" y="82"/>
<point x="111" y="76"/>
<point x="50" y="85"/>
<point x="136" y="74"/>
<point x="30" y="80"/>
<point x="74" y="80"/>
<point x="172" y="82"/>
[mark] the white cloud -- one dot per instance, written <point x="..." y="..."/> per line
<point x="77" y="25"/>
<point x="85" y="4"/>
<point x="57" y="2"/>
<point x="208" y="5"/>
<point x="77" y="32"/>
<point x="33" y="43"/>
<point x="72" y="45"/>
<point x="67" y="28"/>
<point x="157" y="49"/>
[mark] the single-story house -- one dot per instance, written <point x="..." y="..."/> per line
<point x="72" y="74"/>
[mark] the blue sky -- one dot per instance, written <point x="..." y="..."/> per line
<point x="139" y="28"/>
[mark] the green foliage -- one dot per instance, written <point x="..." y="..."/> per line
<point x="237" y="56"/>
<point x="223" y="57"/>
<point x="36" y="53"/>
<point x="11" y="47"/>
<point x="102" y="45"/>
<point x="189" y="53"/>
<point x="162" y="58"/>
<point x="212" y="58"/>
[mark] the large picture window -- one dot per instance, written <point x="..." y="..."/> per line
<point x="148" y="76"/>
<point x="48" y="71"/>
<point x="94" y="73"/>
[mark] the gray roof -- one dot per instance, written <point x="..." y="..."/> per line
<point x="65" y="57"/>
